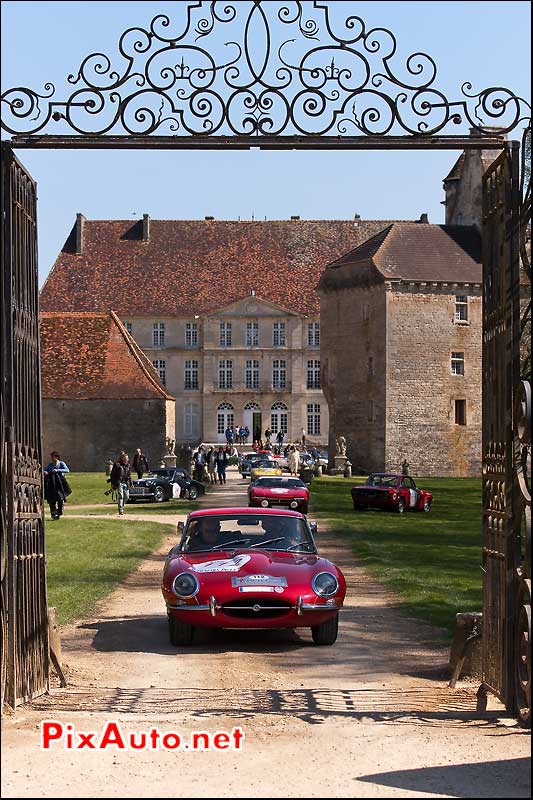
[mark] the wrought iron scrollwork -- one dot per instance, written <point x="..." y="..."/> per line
<point x="184" y="81"/>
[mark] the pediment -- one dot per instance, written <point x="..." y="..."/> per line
<point x="252" y="306"/>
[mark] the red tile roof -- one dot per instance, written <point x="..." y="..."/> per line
<point x="191" y="266"/>
<point x="411" y="251"/>
<point x="88" y="356"/>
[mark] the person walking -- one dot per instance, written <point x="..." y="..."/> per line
<point x="294" y="461"/>
<point x="279" y="438"/>
<point x="199" y="463"/>
<point x="140" y="463"/>
<point x="56" y="486"/>
<point x="221" y="462"/>
<point x="121" y="481"/>
<point x="303" y="437"/>
<point x="211" y="458"/>
<point x="268" y="435"/>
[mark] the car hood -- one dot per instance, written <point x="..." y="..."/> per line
<point x="224" y="564"/>
<point x="145" y="481"/>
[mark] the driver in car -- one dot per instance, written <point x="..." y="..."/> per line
<point x="207" y="534"/>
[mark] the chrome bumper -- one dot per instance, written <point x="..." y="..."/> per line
<point x="300" y="607"/>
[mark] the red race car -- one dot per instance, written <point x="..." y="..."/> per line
<point x="273" y="491"/>
<point x="390" y="491"/>
<point x="247" y="568"/>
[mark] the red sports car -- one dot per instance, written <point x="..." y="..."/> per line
<point x="248" y="568"/>
<point x="272" y="491"/>
<point x="390" y="491"/>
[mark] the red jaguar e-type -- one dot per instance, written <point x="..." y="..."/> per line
<point x="250" y="568"/>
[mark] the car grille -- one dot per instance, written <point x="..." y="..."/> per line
<point x="252" y="608"/>
<point x="140" y="490"/>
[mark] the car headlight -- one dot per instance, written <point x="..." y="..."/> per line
<point x="325" y="584"/>
<point x="186" y="585"/>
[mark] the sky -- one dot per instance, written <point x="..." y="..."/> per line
<point x="486" y="43"/>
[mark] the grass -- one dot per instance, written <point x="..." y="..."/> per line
<point x="431" y="560"/>
<point x="86" y="559"/>
<point x="88" y="489"/>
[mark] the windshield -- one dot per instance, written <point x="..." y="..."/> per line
<point x="280" y="483"/>
<point x="269" y="532"/>
<point x="382" y="480"/>
<point x="265" y="465"/>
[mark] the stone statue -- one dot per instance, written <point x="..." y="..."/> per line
<point x="340" y="444"/>
<point x="170" y="446"/>
<point x="405" y="467"/>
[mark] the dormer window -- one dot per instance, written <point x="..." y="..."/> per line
<point x="191" y="334"/>
<point x="461" y="308"/>
<point x="158" y="334"/>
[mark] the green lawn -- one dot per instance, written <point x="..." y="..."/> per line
<point x="86" y="559"/>
<point x="431" y="560"/>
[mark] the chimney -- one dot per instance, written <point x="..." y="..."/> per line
<point x="80" y="223"/>
<point x="209" y="219"/>
<point x="252" y="292"/>
<point x="295" y="218"/>
<point x="146" y="227"/>
<point x="424" y="219"/>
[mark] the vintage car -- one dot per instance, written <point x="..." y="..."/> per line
<point x="264" y="467"/>
<point x="158" y="486"/>
<point x="250" y="568"/>
<point x="275" y="491"/>
<point x="246" y="461"/>
<point x="391" y="491"/>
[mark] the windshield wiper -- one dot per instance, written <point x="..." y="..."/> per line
<point x="268" y="541"/>
<point x="298" y="544"/>
<point x="227" y="544"/>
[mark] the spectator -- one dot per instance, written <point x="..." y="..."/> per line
<point x="303" y="437"/>
<point x="222" y="462"/>
<point x="246" y="434"/>
<point x="199" y="463"/>
<point x="121" y="481"/>
<point x="268" y="434"/>
<point x="279" y="438"/>
<point x="211" y="460"/>
<point x="294" y="461"/>
<point x="56" y="487"/>
<point x="229" y="435"/>
<point x="140" y="463"/>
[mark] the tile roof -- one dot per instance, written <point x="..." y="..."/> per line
<point x="411" y="251"/>
<point x="197" y="266"/>
<point x="87" y="356"/>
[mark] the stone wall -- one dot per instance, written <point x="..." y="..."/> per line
<point x="352" y="324"/>
<point x="421" y="389"/>
<point x="88" y="433"/>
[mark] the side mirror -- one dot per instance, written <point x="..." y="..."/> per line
<point x="314" y="528"/>
<point x="181" y="526"/>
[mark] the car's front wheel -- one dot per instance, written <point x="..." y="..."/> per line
<point x="159" y="494"/>
<point x="326" y="633"/>
<point x="427" y="506"/>
<point x="400" y="508"/>
<point x="180" y="633"/>
<point x="192" y="492"/>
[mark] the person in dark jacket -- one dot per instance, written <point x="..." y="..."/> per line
<point x="221" y="462"/>
<point x="121" y="481"/>
<point x="140" y="463"/>
<point x="56" y="487"/>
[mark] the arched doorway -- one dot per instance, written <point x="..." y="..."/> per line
<point x="279" y="419"/>
<point x="225" y="419"/>
<point x="253" y="420"/>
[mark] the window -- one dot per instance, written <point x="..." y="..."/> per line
<point x="458" y="363"/>
<point x="190" y="419"/>
<point x="191" y="375"/>
<point x="158" y="334"/>
<point x="278" y="335"/>
<point x="279" y="418"/>
<point x="128" y="327"/>
<point x="252" y="374"/>
<point x="160" y="366"/>
<point x="225" y="374"/>
<point x="313" y="419"/>
<point x="460" y="412"/>
<point x="225" y="334"/>
<point x="461" y="308"/>
<point x="313" y="374"/>
<point x="279" y="374"/>
<point x="252" y="334"/>
<point x="313" y="334"/>
<point x="225" y="417"/>
<point x="191" y="334"/>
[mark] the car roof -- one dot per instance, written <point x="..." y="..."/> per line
<point x="246" y="511"/>
<point x="280" y="478"/>
<point x="387" y="475"/>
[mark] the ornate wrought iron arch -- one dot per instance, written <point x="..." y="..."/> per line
<point x="262" y="70"/>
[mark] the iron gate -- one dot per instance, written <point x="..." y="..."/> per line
<point x="506" y="541"/>
<point x="24" y="608"/>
